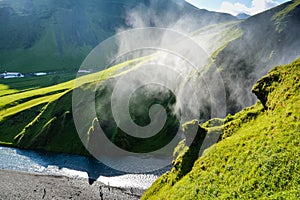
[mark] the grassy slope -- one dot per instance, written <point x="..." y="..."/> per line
<point x="269" y="39"/>
<point x="54" y="35"/>
<point x="258" y="156"/>
<point x="10" y="86"/>
<point x="27" y="117"/>
<point x="279" y="17"/>
<point x="40" y="106"/>
<point x="51" y="35"/>
<point x="26" y="110"/>
<point x="214" y="38"/>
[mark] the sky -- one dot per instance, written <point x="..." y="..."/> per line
<point x="234" y="7"/>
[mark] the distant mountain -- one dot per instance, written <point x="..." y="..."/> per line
<point x="243" y="16"/>
<point x="57" y="35"/>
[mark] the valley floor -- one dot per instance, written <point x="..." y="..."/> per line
<point x="21" y="185"/>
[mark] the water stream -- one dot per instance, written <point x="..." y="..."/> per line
<point x="74" y="166"/>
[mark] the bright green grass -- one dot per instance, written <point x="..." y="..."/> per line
<point x="41" y="118"/>
<point x="11" y="101"/>
<point x="258" y="156"/>
<point x="5" y="90"/>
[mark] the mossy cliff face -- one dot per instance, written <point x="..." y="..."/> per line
<point x="257" y="155"/>
<point x="52" y="129"/>
<point x="139" y="106"/>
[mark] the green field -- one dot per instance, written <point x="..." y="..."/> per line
<point x="15" y="85"/>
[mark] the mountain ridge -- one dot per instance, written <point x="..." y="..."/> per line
<point x="261" y="46"/>
<point x="55" y="35"/>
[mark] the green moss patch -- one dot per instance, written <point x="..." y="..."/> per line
<point x="258" y="156"/>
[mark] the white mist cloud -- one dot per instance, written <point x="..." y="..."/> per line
<point x="257" y="7"/>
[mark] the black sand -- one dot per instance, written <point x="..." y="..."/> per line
<point x="22" y="185"/>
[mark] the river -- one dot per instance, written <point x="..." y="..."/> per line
<point x="74" y="166"/>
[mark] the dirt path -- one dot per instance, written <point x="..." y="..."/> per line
<point x="21" y="185"/>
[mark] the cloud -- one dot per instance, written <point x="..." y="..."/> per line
<point x="257" y="7"/>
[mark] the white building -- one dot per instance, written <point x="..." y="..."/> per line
<point x="40" y="74"/>
<point x="11" y="75"/>
<point x="83" y="71"/>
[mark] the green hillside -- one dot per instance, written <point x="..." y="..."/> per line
<point x="54" y="35"/>
<point x="41" y="118"/>
<point x="243" y="51"/>
<point x="268" y="39"/>
<point x="257" y="155"/>
<point x="34" y="114"/>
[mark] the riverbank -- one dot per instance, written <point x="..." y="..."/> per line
<point x="23" y="185"/>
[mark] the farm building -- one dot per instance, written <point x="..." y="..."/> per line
<point x="11" y="75"/>
<point x="40" y="74"/>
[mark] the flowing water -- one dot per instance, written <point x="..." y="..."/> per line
<point x="73" y="166"/>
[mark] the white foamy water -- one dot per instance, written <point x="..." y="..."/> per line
<point x="74" y="166"/>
